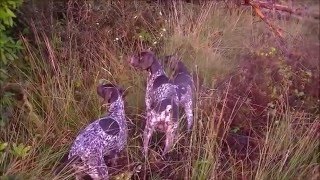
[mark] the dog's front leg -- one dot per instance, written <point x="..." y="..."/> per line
<point x="97" y="167"/>
<point x="148" y="130"/>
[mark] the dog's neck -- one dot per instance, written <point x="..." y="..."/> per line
<point x="156" y="69"/>
<point x="116" y="108"/>
<point x="116" y="112"/>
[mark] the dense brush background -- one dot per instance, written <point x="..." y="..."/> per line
<point x="257" y="108"/>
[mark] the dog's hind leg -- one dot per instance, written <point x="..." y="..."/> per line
<point x="171" y="134"/>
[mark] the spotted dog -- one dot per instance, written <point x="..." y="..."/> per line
<point x="185" y="86"/>
<point x="161" y="100"/>
<point x="106" y="136"/>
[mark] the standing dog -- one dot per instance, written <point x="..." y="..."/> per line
<point x="161" y="100"/>
<point x="105" y="136"/>
<point x="185" y="86"/>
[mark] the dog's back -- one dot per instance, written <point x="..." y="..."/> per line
<point x="104" y="136"/>
<point x="184" y="85"/>
<point x="160" y="89"/>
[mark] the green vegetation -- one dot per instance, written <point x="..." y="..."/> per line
<point x="9" y="50"/>
<point x="8" y="46"/>
<point x="256" y="118"/>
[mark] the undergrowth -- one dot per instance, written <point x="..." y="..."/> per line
<point x="247" y="125"/>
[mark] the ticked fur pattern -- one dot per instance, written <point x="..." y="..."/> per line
<point x="105" y="136"/>
<point x="162" y="111"/>
<point x="161" y="101"/>
<point x="183" y="81"/>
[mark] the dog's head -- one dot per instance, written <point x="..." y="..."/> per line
<point x="142" y="60"/>
<point x="109" y="92"/>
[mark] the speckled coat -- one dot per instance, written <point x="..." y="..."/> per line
<point x="185" y="86"/>
<point x="105" y="136"/>
<point x="185" y="89"/>
<point x="161" y="100"/>
<point x="157" y="91"/>
<point x="162" y="110"/>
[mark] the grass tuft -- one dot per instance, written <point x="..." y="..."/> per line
<point x="253" y="120"/>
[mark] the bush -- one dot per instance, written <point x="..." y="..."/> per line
<point x="9" y="47"/>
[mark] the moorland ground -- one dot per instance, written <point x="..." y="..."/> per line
<point x="257" y="104"/>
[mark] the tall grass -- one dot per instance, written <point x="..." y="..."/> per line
<point x="289" y="149"/>
<point x="209" y="39"/>
<point x="62" y="69"/>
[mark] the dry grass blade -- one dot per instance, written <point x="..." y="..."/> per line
<point x="244" y="127"/>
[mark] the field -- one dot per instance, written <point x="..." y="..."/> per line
<point x="257" y="104"/>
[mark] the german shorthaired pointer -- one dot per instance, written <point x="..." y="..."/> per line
<point x="185" y="86"/>
<point x="106" y="136"/>
<point x="161" y="100"/>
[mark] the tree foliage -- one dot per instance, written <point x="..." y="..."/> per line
<point x="9" y="47"/>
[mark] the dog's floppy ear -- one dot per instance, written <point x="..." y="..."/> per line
<point x="100" y="90"/>
<point x="105" y="91"/>
<point x="107" y="94"/>
<point x="146" y="58"/>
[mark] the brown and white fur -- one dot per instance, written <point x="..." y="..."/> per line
<point x="185" y="86"/>
<point x="161" y="100"/>
<point x="106" y="136"/>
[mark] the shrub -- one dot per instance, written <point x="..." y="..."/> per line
<point x="9" y="49"/>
